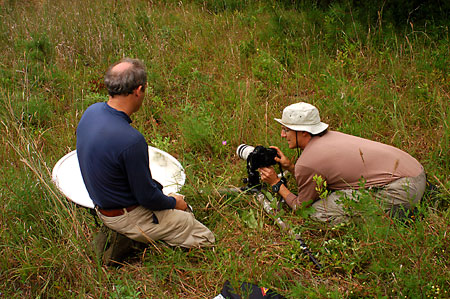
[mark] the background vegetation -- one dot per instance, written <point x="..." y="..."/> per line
<point x="219" y="71"/>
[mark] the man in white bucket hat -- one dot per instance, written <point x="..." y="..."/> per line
<point x="343" y="161"/>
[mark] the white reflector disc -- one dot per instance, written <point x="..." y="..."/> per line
<point x="67" y="175"/>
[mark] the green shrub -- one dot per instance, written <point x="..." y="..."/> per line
<point x="267" y="69"/>
<point x="197" y="129"/>
<point x="39" y="48"/>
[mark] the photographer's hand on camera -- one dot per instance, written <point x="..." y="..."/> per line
<point x="268" y="175"/>
<point x="283" y="160"/>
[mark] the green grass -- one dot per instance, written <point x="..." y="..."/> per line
<point x="220" y="71"/>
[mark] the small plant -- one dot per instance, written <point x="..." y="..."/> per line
<point x="198" y="130"/>
<point x="40" y="48"/>
<point x="321" y="186"/>
<point x="162" y="143"/>
<point x="247" y="48"/>
<point x="267" y="69"/>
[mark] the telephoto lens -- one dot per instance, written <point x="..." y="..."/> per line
<point x="244" y="150"/>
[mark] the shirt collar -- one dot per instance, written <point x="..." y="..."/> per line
<point x="118" y="113"/>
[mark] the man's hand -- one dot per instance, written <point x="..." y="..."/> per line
<point x="268" y="175"/>
<point x="180" y="203"/>
<point x="283" y="160"/>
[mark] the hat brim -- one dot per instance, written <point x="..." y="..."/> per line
<point x="312" y="129"/>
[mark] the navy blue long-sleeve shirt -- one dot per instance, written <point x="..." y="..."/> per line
<point x="114" y="161"/>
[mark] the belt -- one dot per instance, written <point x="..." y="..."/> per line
<point x="116" y="212"/>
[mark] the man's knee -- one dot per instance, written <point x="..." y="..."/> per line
<point x="175" y="219"/>
<point x="330" y="209"/>
<point x="182" y="229"/>
<point x="405" y="192"/>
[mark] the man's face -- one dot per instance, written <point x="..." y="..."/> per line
<point x="290" y="136"/>
<point x="295" y="138"/>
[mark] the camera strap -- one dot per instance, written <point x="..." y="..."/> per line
<point x="283" y="178"/>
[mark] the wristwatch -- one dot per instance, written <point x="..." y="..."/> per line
<point x="276" y="187"/>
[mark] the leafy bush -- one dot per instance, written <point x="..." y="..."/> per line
<point x="40" y="48"/>
<point x="267" y="69"/>
<point x="197" y="129"/>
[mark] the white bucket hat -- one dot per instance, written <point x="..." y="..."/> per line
<point x="302" y="117"/>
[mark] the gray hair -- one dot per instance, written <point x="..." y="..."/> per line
<point x="126" y="81"/>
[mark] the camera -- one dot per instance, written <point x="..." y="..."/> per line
<point x="256" y="157"/>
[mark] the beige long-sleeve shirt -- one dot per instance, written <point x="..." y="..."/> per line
<point x="343" y="160"/>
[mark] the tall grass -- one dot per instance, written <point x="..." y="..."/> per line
<point x="219" y="72"/>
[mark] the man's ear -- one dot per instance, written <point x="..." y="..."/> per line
<point x="137" y="90"/>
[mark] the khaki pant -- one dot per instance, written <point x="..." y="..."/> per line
<point x="175" y="227"/>
<point x="403" y="193"/>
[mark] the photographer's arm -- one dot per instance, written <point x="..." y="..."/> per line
<point x="269" y="176"/>
<point x="285" y="193"/>
<point x="305" y="183"/>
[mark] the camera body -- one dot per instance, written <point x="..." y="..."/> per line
<point x="256" y="157"/>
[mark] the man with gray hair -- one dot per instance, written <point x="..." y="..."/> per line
<point x="114" y="163"/>
<point x="343" y="161"/>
